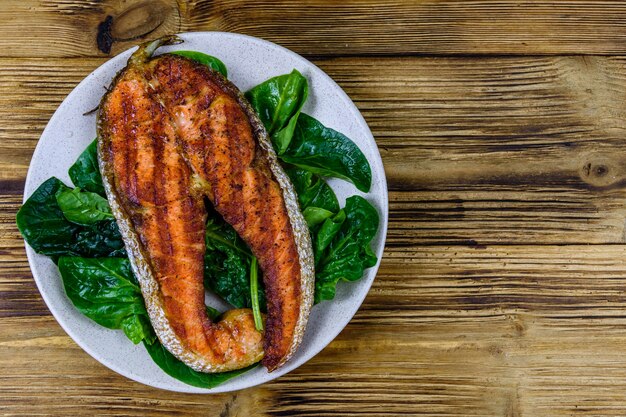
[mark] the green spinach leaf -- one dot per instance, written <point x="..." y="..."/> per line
<point x="278" y="102"/>
<point x="83" y="207"/>
<point x="44" y="226"/>
<point x="212" y="313"/>
<point x="343" y="249"/>
<point x="312" y="190"/>
<point x="326" y="233"/>
<point x="227" y="263"/>
<point x="85" y="172"/>
<point x="105" y="290"/>
<point x="315" y="216"/>
<point x="327" y="152"/>
<point x="137" y="328"/>
<point x="208" y="60"/>
<point x="176" y="369"/>
<point x="41" y="221"/>
<point x="102" y="239"/>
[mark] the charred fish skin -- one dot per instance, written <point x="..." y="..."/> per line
<point x="289" y="300"/>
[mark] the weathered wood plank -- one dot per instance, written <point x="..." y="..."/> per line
<point x="423" y="27"/>
<point x="65" y="28"/>
<point x="488" y="146"/>
<point x="499" y="150"/>
<point x="521" y="330"/>
<point x="478" y="152"/>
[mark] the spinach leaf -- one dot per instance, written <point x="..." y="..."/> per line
<point x="138" y="328"/>
<point x="208" y="60"/>
<point x="227" y="263"/>
<point x="315" y="215"/>
<point x="327" y="152"/>
<point x="212" y="313"/>
<point x="99" y="240"/>
<point x="105" y="290"/>
<point x="343" y="249"/>
<point x="177" y="369"/>
<point x="326" y="233"/>
<point x="44" y="226"/>
<point x="85" y="172"/>
<point x="312" y="190"/>
<point x="278" y="102"/>
<point x="41" y="221"/>
<point x="83" y="207"/>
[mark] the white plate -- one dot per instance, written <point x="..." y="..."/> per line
<point x="250" y="61"/>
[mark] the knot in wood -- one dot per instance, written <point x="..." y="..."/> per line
<point x="137" y="20"/>
<point x="602" y="173"/>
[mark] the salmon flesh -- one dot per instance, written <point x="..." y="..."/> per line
<point x="172" y="133"/>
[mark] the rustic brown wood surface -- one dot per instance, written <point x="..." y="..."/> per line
<point x="501" y="125"/>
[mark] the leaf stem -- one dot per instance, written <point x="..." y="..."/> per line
<point x="214" y="236"/>
<point x="254" y="293"/>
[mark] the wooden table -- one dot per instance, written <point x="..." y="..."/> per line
<point x="502" y="127"/>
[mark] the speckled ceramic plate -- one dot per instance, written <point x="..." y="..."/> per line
<point x="249" y="61"/>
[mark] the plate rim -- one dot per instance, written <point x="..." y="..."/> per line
<point x="127" y="372"/>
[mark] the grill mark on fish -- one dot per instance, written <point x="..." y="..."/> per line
<point x="240" y="145"/>
<point x="205" y="140"/>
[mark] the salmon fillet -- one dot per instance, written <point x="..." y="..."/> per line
<point x="172" y="133"/>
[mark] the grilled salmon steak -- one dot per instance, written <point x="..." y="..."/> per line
<point x="172" y="133"/>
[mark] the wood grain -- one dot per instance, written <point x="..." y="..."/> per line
<point x="501" y="292"/>
<point x="474" y="330"/>
<point x="70" y="28"/>
<point x="520" y="330"/>
<point x="476" y="151"/>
